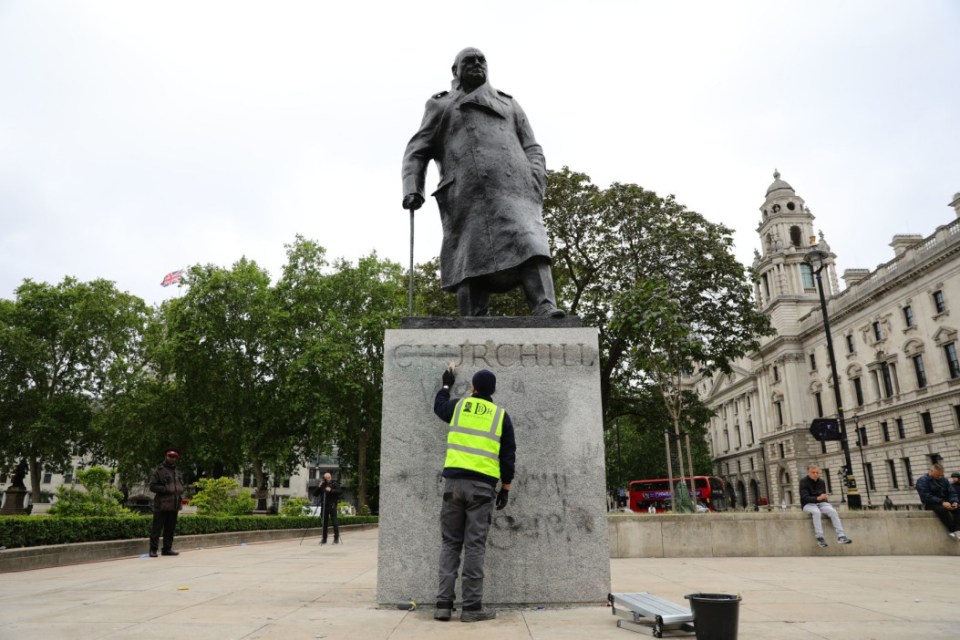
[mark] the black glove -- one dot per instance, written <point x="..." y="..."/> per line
<point x="448" y="378"/>
<point x="412" y="201"/>
<point x="502" y="498"/>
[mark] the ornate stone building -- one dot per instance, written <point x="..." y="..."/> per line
<point x="895" y="340"/>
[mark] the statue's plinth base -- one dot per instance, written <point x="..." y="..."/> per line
<point x="13" y="499"/>
<point x="550" y="545"/>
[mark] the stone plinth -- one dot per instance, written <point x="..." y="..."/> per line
<point x="13" y="500"/>
<point x="550" y="545"/>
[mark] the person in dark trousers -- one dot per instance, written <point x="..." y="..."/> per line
<point x="167" y="483"/>
<point x="939" y="496"/>
<point x="328" y="495"/>
<point x="816" y="502"/>
<point x="481" y="450"/>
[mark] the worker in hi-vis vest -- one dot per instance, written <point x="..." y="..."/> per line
<point x="481" y="450"/>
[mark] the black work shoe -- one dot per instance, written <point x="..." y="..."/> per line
<point x="478" y="616"/>
<point x="169" y="552"/>
<point x="442" y="614"/>
<point x="821" y="542"/>
<point x="844" y="540"/>
<point x="323" y="542"/>
<point x="336" y="540"/>
<point x="153" y="554"/>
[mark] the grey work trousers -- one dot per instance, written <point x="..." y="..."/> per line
<point x="464" y="523"/>
<point x="816" y="510"/>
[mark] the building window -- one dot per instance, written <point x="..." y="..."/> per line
<point x="862" y="436"/>
<point x="247" y="478"/>
<point x="938" y="302"/>
<point x="901" y="433"/>
<point x="908" y="315"/>
<point x="779" y="408"/>
<point x="887" y="377"/>
<point x="921" y="371"/>
<point x="68" y="477"/>
<point x="813" y="362"/>
<point x="766" y="286"/>
<point x="956" y="412"/>
<point x="951" y="351"/>
<point x="877" y="331"/>
<point x="927" y="422"/>
<point x="47" y="475"/>
<point x="851" y="348"/>
<point x="823" y="446"/>
<point x="868" y="468"/>
<point x="806" y="274"/>
<point x="858" y="391"/>
<point x="886" y="431"/>
<point x="826" y="478"/>
<point x="776" y="374"/>
<point x="782" y="454"/>
<point x="907" y="471"/>
<point x="819" y="401"/>
<point x="753" y="437"/>
<point x="892" y="470"/>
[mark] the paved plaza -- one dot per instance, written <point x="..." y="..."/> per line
<point x="285" y="590"/>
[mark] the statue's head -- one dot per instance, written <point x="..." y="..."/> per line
<point x="469" y="69"/>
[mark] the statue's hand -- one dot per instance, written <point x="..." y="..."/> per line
<point x="412" y="201"/>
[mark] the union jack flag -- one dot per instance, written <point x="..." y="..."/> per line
<point x="172" y="278"/>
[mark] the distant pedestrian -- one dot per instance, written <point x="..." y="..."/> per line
<point x="167" y="484"/>
<point x="939" y="496"/>
<point x="887" y="504"/>
<point x="955" y="481"/>
<point x="328" y="496"/>
<point x="816" y="502"/>
<point x="481" y="450"/>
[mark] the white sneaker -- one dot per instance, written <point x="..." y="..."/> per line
<point x="955" y="535"/>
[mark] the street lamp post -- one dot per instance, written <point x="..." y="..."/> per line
<point x="863" y="464"/>
<point x="815" y="258"/>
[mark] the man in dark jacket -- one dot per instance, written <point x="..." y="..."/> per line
<point x="167" y="483"/>
<point x="490" y="195"/>
<point x="938" y="495"/>
<point x="328" y="495"/>
<point x="816" y="502"/>
<point x="481" y="449"/>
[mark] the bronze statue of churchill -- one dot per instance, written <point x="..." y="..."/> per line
<point x="490" y="194"/>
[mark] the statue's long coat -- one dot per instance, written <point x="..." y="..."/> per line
<point x="492" y="178"/>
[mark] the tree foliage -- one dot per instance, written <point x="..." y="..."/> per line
<point x="624" y="253"/>
<point x="62" y="347"/>
<point x="97" y="498"/>
<point x="222" y="497"/>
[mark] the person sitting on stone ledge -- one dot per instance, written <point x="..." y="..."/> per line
<point x="816" y="502"/>
<point x="939" y="496"/>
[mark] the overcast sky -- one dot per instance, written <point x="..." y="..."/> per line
<point x="137" y="138"/>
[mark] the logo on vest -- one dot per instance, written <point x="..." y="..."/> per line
<point x="478" y="410"/>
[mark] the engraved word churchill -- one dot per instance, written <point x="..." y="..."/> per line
<point x="490" y="195"/>
<point x="491" y="354"/>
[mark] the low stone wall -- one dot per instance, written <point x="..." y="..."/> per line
<point x="55" y="555"/>
<point x="721" y="535"/>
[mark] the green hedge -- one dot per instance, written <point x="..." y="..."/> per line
<point x="31" y="531"/>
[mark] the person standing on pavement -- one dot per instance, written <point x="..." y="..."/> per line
<point x="329" y="492"/>
<point x="939" y="496"/>
<point x="816" y="502"/>
<point x="481" y="450"/>
<point x="167" y="483"/>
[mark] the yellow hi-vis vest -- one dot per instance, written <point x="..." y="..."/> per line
<point x="473" y="441"/>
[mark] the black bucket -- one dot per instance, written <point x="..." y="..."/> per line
<point x="715" y="615"/>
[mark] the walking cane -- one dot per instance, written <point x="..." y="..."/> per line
<point x="411" y="261"/>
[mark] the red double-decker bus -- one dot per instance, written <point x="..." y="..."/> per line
<point x="709" y="491"/>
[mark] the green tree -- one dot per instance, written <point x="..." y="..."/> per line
<point x="613" y="251"/>
<point x="97" y="498"/>
<point x="222" y="497"/>
<point x="62" y="347"/>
